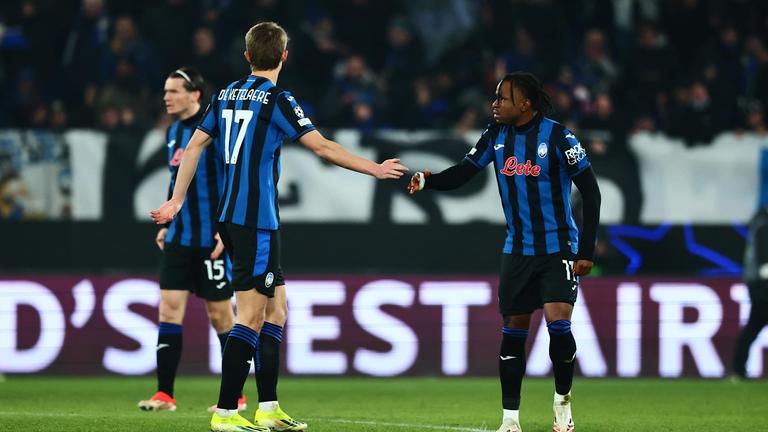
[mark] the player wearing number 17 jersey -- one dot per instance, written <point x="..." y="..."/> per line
<point x="248" y="121"/>
<point x="535" y="160"/>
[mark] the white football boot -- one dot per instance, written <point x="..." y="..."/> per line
<point x="563" y="418"/>
<point x="510" y="425"/>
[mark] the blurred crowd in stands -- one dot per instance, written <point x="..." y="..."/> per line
<point x="689" y="68"/>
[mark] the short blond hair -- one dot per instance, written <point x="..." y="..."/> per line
<point x="265" y="43"/>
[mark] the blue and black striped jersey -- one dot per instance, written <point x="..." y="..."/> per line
<point x="194" y="225"/>
<point x="249" y="121"/>
<point x="534" y="165"/>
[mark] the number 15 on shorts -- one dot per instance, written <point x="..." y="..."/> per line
<point x="215" y="269"/>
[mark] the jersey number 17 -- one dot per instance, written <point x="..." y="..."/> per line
<point x="242" y="117"/>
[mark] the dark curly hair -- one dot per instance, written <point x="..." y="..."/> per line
<point x="531" y="87"/>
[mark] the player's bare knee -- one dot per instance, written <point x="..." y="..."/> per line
<point x="253" y="320"/>
<point x="517" y="321"/>
<point x="220" y="315"/>
<point x="171" y="312"/>
<point x="254" y="324"/>
<point x="278" y="315"/>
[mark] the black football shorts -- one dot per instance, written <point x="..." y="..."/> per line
<point x="192" y="269"/>
<point x="255" y="255"/>
<point x="527" y="282"/>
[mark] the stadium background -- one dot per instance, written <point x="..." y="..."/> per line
<point x="668" y="97"/>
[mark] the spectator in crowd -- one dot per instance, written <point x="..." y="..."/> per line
<point x="170" y="37"/>
<point x="208" y="60"/>
<point x="595" y="69"/>
<point x="722" y="73"/>
<point x="603" y="129"/>
<point x="431" y="109"/>
<point x="354" y="97"/>
<point x="315" y="47"/>
<point x="756" y="69"/>
<point x="692" y="118"/>
<point x="523" y="56"/>
<point x="752" y="119"/>
<point x="401" y="66"/>
<point x="85" y="43"/>
<point x="644" y="55"/>
<point x="565" y="107"/>
<point x="127" y="44"/>
<point x="128" y="93"/>
<point x="650" y="68"/>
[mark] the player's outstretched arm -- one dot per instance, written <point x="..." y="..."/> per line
<point x="448" y="179"/>
<point x="167" y="211"/>
<point x="586" y="182"/>
<point x="334" y="153"/>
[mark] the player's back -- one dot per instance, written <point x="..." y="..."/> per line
<point x="249" y="119"/>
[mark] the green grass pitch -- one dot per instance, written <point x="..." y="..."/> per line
<point x="396" y="405"/>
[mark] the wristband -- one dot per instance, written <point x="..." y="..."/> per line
<point x="422" y="180"/>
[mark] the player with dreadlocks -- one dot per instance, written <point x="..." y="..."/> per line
<point x="535" y="160"/>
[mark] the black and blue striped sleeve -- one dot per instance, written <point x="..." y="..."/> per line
<point x="290" y="118"/>
<point x="210" y="122"/>
<point x="572" y="152"/>
<point x="482" y="153"/>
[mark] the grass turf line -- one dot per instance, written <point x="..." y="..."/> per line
<point x="377" y="405"/>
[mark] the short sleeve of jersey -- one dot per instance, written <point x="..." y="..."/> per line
<point x="290" y="118"/>
<point x="573" y="153"/>
<point x="482" y="153"/>
<point x="210" y="122"/>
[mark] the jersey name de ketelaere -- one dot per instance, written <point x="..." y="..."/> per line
<point x="249" y="119"/>
<point x="534" y="165"/>
<point x="194" y="225"/>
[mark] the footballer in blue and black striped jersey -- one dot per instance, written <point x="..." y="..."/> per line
<point x="535" y="160"/>
<point x="190" y="241"/>
<point x="247" y="123"/>
<point x="534" y="165"/>
<point x="250" y="118"/>
<point x="195" y="226"/>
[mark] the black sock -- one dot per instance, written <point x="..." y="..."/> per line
<point x="562" y="352"/>
<point x="512" y="366"/>
<point x="169" y="338"/>
<point x="235" y="364"/>
<point x="223" y="340"/>
<point x="268" y="361"/>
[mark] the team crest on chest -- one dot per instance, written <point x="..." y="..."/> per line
<point x="542" y="151"/>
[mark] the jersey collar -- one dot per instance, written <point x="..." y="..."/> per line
<point x="526" y="127"/>
<point x="195" y="119"/>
